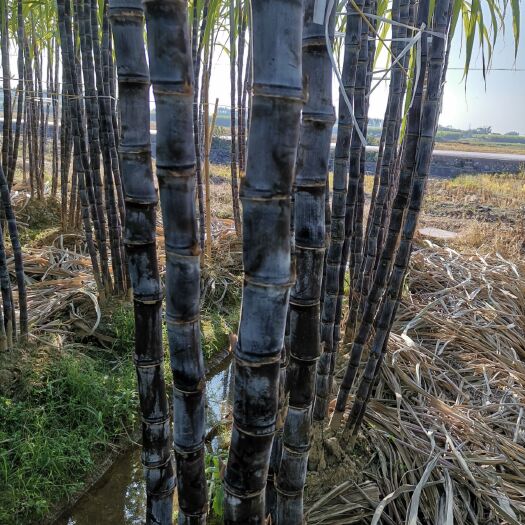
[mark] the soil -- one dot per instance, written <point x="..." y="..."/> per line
<point x="330" y="465"/>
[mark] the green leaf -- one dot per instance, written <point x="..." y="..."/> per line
<point x="515" y="8"/>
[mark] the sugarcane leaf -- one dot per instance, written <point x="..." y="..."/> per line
<point x="382" y="35"/>
<point x="515" y="8"/>
<point x="218" y="501"/>
<point x="469" y="20"/>
<point x="456" y="10"/>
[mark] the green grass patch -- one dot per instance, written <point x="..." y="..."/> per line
<point x="216" y="324"/>
<point x="57" y="419"/>
<point x="62" y="409"/>
<point x="215" y="328"/>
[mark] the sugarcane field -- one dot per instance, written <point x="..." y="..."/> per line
<point x="262" y="262"/>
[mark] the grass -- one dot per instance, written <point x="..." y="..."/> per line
<point x="500" y="189"/>
<point x="488" y="238"/>
<point x="61" y="413"/>
<point x="482" y="147"/>
<point x="485" y="209"/>
<point x="215" y="328"/>
<point x="216" y="325"/>
<point x="62" y="410"/>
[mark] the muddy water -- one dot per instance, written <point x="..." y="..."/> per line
<point x="119" y="497"/>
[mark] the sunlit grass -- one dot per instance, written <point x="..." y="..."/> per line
<point x="481" y="147"/>
<point x="500" y="189"/>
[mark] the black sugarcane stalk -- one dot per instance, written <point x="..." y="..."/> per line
<point x="105" y="132"/>
<point x="172" y="79"/>
<point x="400" y="13"/>
<point x="140" y="238"/>
<point x="421" y="129"/>
<point x="340" y="186"/>
<point x="17" y="254"/>
<point x="266" y="194"/>
<point x="233" y="126"/>
<point x="93" y="131"/>
<point x="353" y="214"/>
<point x="7" y="134"/>
<point x="107" y="57"/>
<point x="39" y="127"/>
<point x="318" y="118"/>
<point x="364" y="85"/>
<point x="20" y="89"/>
<point x="361" y="264"/>
<point x="396" y="159"/>
<point x="70" y="89"/>
<point x="196" y="51"/>
<point x="384" y="266"/>
<point x="6" y="328"/>
<point x="241" y="44"/>
<point x="65" y="161"/>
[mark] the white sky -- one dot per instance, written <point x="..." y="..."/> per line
<point x="500" y="104"/>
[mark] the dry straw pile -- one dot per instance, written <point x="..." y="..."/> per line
<point x="446" y="429"/>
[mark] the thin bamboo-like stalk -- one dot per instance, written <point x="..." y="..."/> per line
<point x="363" y="276"/>
<point x="17" y="253"/>
<point x="70" y="88"/>
<point x="90" y="17"/>
<point x="197" y="43"/>
<point x="334" y="260"/>
<point x="20" y="89"/>
<point x="383" y="270"/>
<point x="93" y="132"/>
<point x="6" y="330"/>
<point x="421" y="129"/>
<point x="233" y="125"/>
<point x="208" y="134"/>
<point x="113" y="135"/>
<point x="396" y="159"/>
<point x="241" y="44"/>
<point x="7" y="139"/>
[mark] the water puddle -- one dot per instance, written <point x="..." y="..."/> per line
<point x="119" y="497"/>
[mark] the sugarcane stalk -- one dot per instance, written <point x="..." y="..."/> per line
<point x="140" y="238"/>
<point x="172" y="79"/>
<point x="309" y="222"/>
<point x="421" y="129"/>
<point x="266" y="194"/>
<point x="340" y="186"/>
